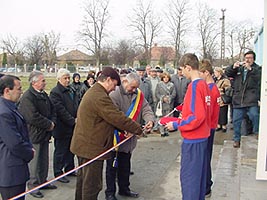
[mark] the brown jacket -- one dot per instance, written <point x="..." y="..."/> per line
<point x="96" y="120"/>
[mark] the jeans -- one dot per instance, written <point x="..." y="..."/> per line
<point x="238" y="115"/>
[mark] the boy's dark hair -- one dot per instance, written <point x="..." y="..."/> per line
<point x="252" y="53"/>
<point x="189" y="59"/>
<point x="7" y="81"/>
<point x="205" y="64"/>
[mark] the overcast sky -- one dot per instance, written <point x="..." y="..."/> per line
<point x="24" y="18"/>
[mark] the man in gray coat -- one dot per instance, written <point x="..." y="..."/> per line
<point x="124" y="97"/>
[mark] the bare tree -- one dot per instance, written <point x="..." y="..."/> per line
<point x="177" y="17"/>
<point x="239" y="37"/>
<point x="94" y="24"/>
<point x="34" y="49"/>
<point x="124" y="53"/>
<point x="208" y="29"/>
<point x="50" y="42"/>
<point x="12" y="45"/>
<point x="147" y="26"/>
<point x="245" y="34"/>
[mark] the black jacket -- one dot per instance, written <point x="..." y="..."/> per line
<point x="246" y="92"/>
<point x="66" y="104"/>
<point x="84" y="88"/>
<point x="37" y="109"/>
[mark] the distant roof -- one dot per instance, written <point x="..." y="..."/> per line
<point x="75" y="55"/>
<point x="157" y="52"/>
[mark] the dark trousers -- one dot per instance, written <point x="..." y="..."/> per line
<point x="193" y="170"/>
<point x="63" y="158"/>
<point x="39" y="165"/>
<point x="209" y="157"/>
<point x="122" y="172"/>
<point x="9" y="192"/>
<point x="89" y="180"/>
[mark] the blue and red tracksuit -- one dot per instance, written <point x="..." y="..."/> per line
<point x="195" y="129"/>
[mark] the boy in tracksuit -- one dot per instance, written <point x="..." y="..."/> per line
<point x="206" y="72"/>
<point x="195" y="129"/>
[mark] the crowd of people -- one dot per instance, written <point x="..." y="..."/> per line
<point x="87" y="118"/>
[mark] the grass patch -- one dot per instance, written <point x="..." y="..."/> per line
<point x="50" y="83"/>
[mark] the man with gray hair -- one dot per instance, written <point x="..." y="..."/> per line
<point x="66" y="102"/>
<point x="127" y="97"/>
<point x="37" y="109"/>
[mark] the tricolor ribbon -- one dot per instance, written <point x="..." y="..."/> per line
<point x="132" y="112"/>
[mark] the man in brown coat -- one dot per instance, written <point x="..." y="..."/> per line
<point x="93" y="134"/>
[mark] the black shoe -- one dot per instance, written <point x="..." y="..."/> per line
<point x="129" y="193"/>
<point x="166" y="134"/>
<point x="224" y="130"/>
<point x="49" y="187"/>
<point x="131" y="173"/>
<point x="37" y="194"/>
<point x="208" y="194"/>
<point x="111" y="197"/>
<point x="218" y="129"/>
<point x="72" y="174"/>
<point x="63" y="180"/>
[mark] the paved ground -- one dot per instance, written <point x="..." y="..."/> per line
<point x="154" y="159"/>
<point x="156" y="164"/>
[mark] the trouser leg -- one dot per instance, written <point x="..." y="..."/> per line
<point x="238" y="115"/>
<point x="193" y="170"/>
<point x="209" y="157"/>
<point x="111" y="173"/>
<point x="43" y="162"/>
<point x="33" y="168"/>
<point x="58" y="160"/>
<point x="89" y="180"/>
<point x="124" y="168"/>
<point x="9" y="192"/>
<point x="68" y="157"/>
<point x="253" y="113"/>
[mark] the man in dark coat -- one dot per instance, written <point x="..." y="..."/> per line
<point x="16" y="149"/>
<point x="180" y="83"/>
<point x="246" y="83"/>
<point x="93" y="134"/>
<point x="37" y="109"/>
<point x="66" y="102"/>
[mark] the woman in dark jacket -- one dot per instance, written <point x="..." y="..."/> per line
<point x="88" y="83"/>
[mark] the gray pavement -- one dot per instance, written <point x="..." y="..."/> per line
<point x="156" y="165"/>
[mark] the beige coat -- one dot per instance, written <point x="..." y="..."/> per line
<point x="222" y="84"/>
